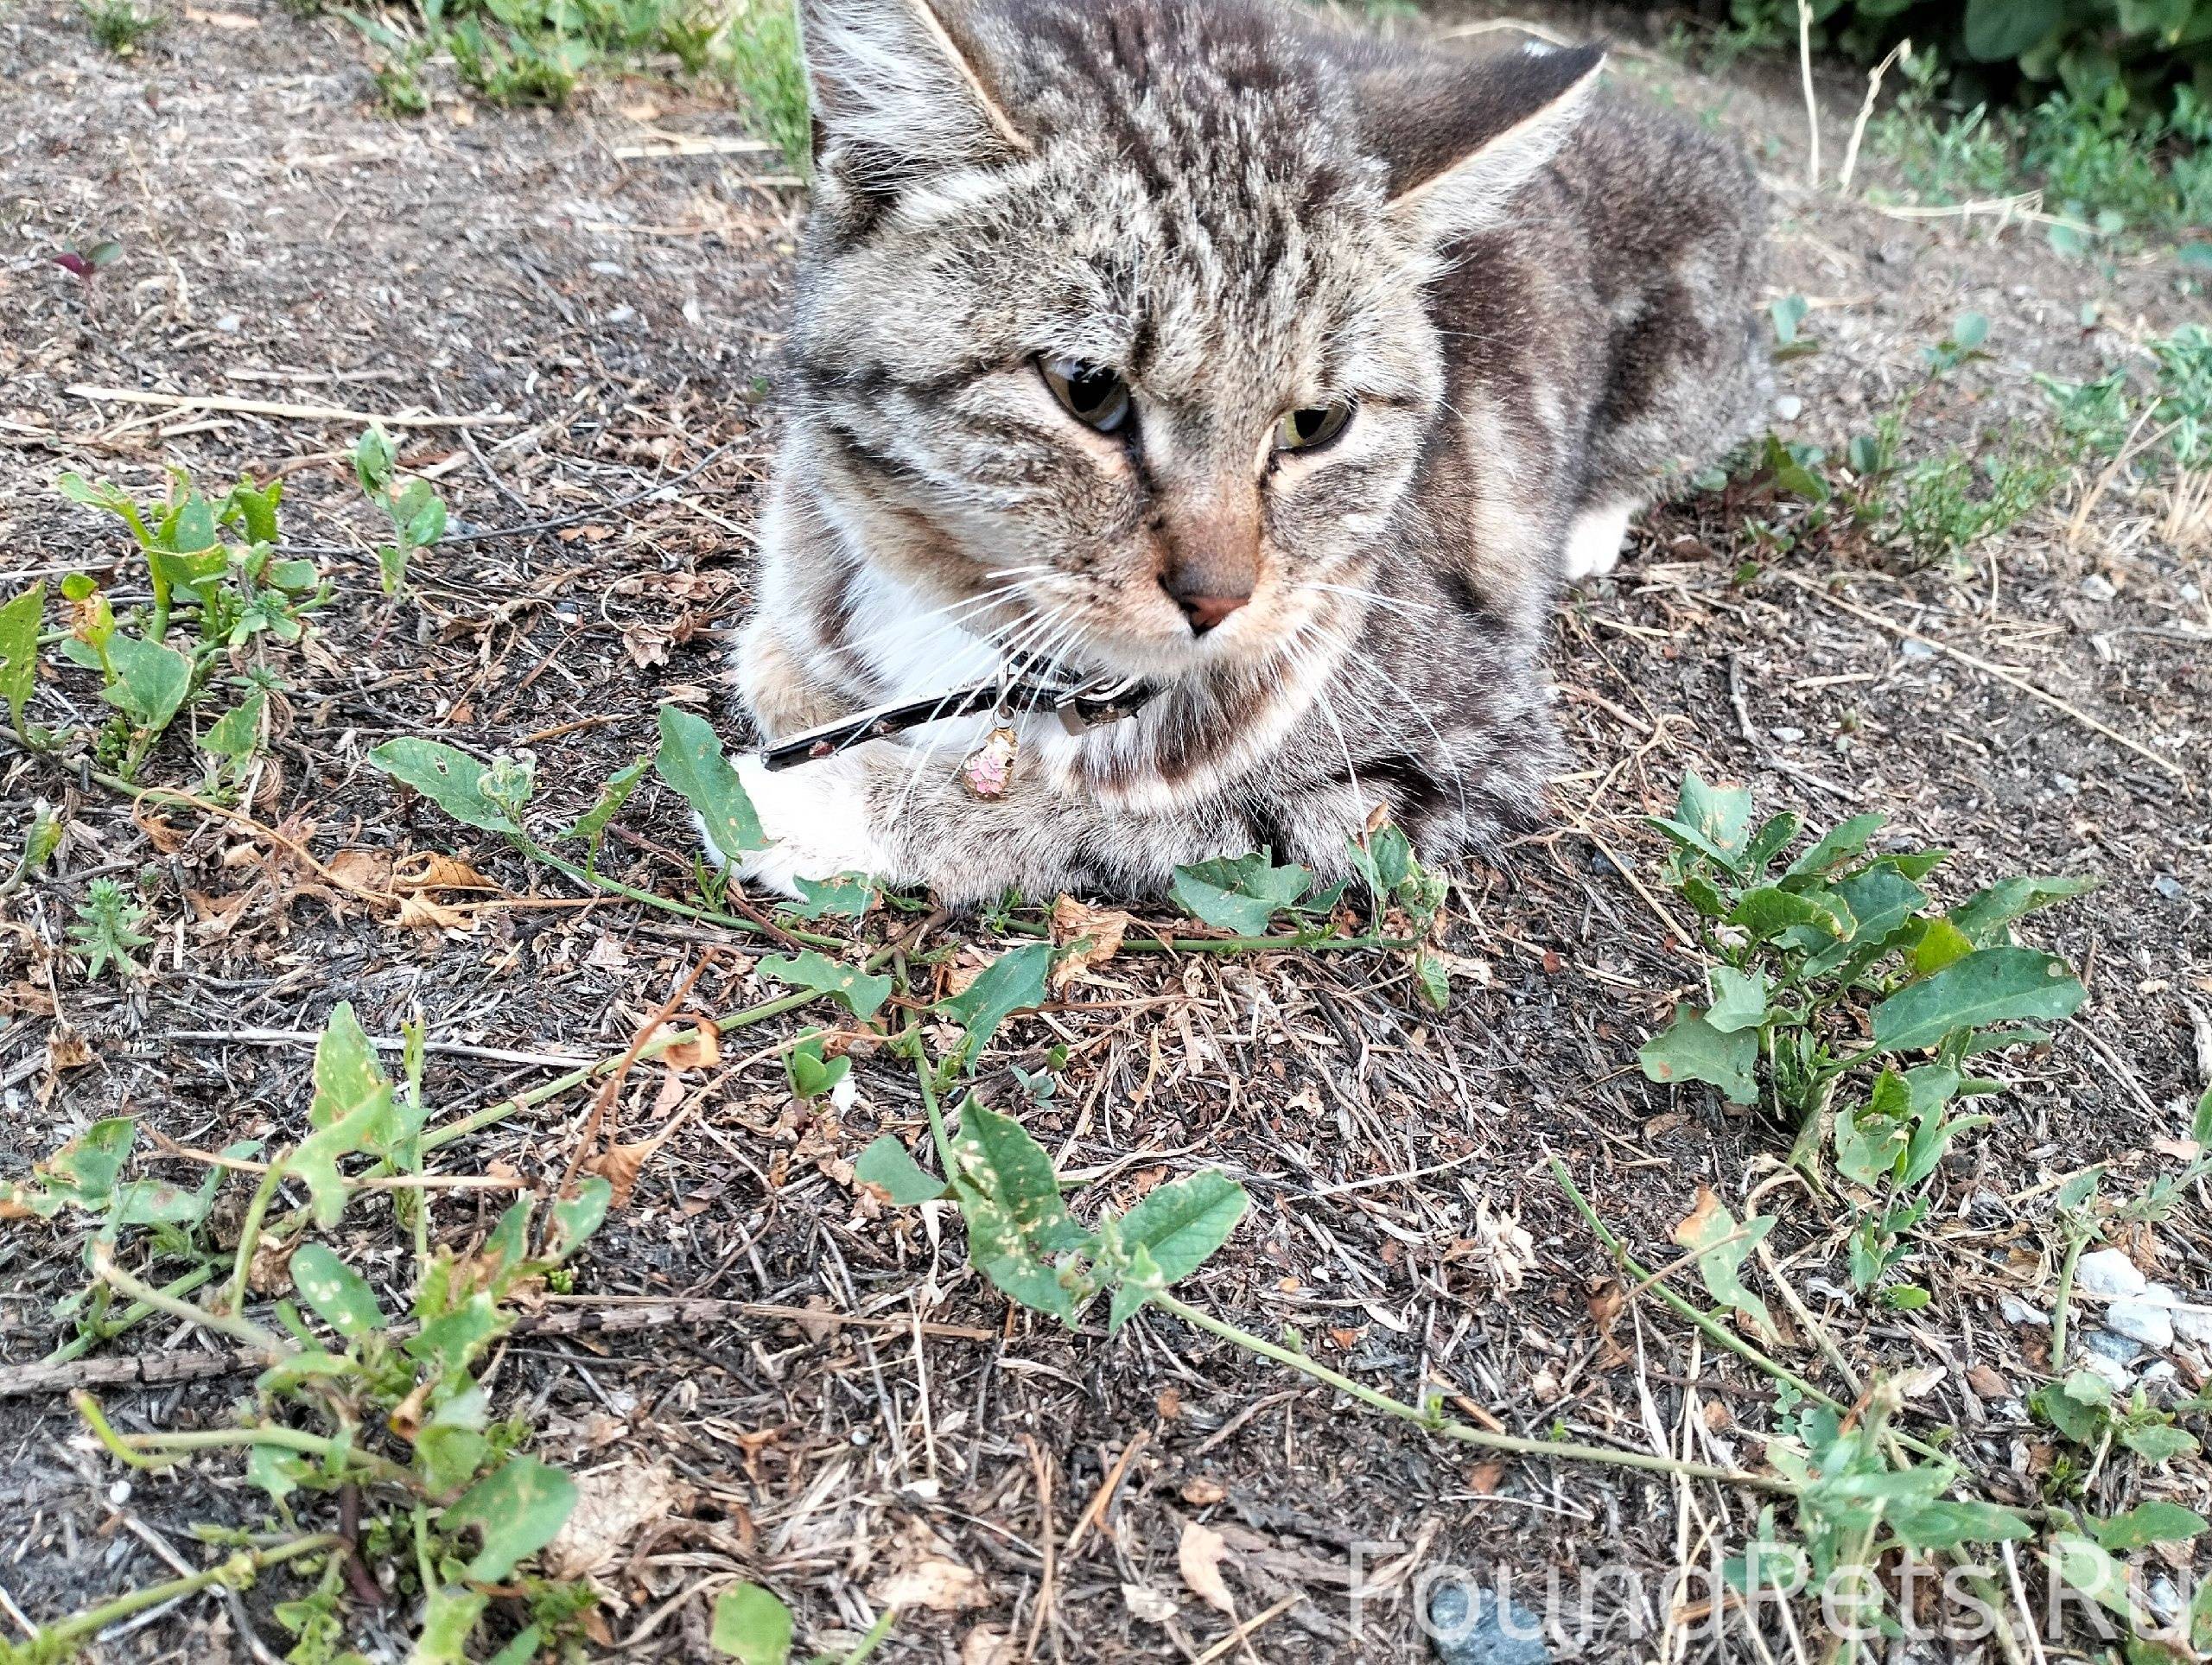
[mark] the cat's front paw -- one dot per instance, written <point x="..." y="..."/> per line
<point x="816" y="816"/>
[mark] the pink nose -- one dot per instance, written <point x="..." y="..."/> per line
<point x="1205" y="612"/>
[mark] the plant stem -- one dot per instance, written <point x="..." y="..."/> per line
<point x="257" y="1210"/>
<point x="228" y="1323"/>
<point x="2075" y="1243"/>
<point x="1286" y="943"/>
<point x="1462" y="1431"/>
<point x="584" y="876"/>
<point x="148" y="1450"/>
<point x="235" y="1572"/>
<point x="108" y="1328"/>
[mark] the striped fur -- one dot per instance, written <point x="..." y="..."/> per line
<point x="1537" y="300"/>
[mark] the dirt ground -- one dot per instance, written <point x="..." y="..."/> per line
<point x="603" y="328"/>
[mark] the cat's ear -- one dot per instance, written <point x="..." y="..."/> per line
<point x="1460" y="138"/>
<point x="900" y="92"/>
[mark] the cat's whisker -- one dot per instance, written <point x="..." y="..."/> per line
<point x="1376" y="598"/>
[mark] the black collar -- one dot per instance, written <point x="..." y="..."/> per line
<point x="1019" y="685"/>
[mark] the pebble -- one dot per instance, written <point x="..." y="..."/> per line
<point x="2098" y="588"/>
<point x="2108" y="1272"/>
<point x="1788" y="407"/>
<point x="1914" y="649"/>
<point x="1788" y="736"/>
<point x="2170" y="887"/>
<point x="2193" y="1326"/>
<point x="2016" y="1311"/>
<point x="2147" y="1320"/>
<point x="1485" y="1635"/>
<point x="622" y="314"/>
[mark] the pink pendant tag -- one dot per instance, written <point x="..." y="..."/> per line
<point x="988" y="771"/>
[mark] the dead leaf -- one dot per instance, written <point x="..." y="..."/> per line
<point x="66" y="1049"/>
<point x="818" y="1330"/>
<point x="619" y="1166"/>
<point x="703" y="1050"/>
<point x="1147" y="1604"/>
<point x="430" y="870"/>
<point x="1199" y="1492"/>
<point x="1988" y="1383"/>
<point x="369" y="870"/>
<point x="647" y="644"/>
<point x="614" y="1505"/>
<point x="936" y="1582"/>
<point x="1198" y="1556"/>
<point x="986" y="1646"/>
<point x="420" y="914"/>
<point x="1484" y="1477"/>
<point x="1092" y="936"/>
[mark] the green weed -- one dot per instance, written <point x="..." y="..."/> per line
<point x="763" y="55"/>
<point x="119" y="25"/>
<point x="2098" y="417"/>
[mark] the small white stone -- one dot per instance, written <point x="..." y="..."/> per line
<point x="2145" y="1321"/>
<point x="2016" y="1311"/>
<point x="118" y="1494"/>
<point x="2193" y="1325"/>
<point x="1788" y="408"/>
<point x="2098" y="588"/>
<point x="2108" y="1272"/>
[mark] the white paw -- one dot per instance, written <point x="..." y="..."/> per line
<point x="1593" y="543"/>
<point x="815" y="816"/>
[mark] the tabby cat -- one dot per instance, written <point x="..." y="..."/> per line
<point x="1278" y="374"/>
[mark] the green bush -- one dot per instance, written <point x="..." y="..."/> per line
<point x="2025" y="49"/>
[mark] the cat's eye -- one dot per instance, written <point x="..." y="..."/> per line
<point x="1092" y="394"/>
<point x="1304" y="430"/>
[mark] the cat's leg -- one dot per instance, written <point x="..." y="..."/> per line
<point x="1595" y="538"/>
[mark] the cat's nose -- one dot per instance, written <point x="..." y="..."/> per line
<point x="1204" y="611"/>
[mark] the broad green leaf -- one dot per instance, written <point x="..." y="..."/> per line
<point x="157" y="1202"/>
<point x="2001" y="30"/>
<point x="848" y="896"/>
<point x="522" y="1650"/>
<point x="347" y="1074"/>
<point x="151" y="681"/>
<point x="1432" y="980"/>
<point x="572" y="1220"/>
<point x="19" y="622"/>
<point x="751" y="1626"/>
<point x="1017" y="1224"/>
<point x="1239" y="894"/>
<point x="254" y="511"/>
<point x="2200" y="1127"/>
<point x="1788" y="313"/>
<point x="450" y="1446"/>
<point x="1721" y="1246"/>
<point x="374" y="458"/>
<point x="2156" y="1521"/>
<point x="1991" y="985"/>
<point x="1836" y="847"/>
<point x="2082" y="1564"/>
<point x="275" y="1469"/>
<point x="1769" y="911"/>
<point x="1013" y="982"/>
<point x="1880" y="900"/>
<point x="1941" y="1524"/>
<point x="449" y="1620"/>
<point x="1774" y="836"/>
<point x="858" y="992"/>
<point x="691" y="760"/>
<point x="336" y="1291"/>
<point x="314" y="1161"/>
<point x="419" y="513"/>
<point x="886" y="1165"/>
<point x="1714" y="820"/>
<point x="1738" y="999"/>
<point x="2157" y="1442"/>
<point x="2082" y="1423"/>
<point x="517" y="1508"/>
<point x="1693" y="1050"/>
<point x="591" y="825"/>
<point x="1181" y="1223"/>
<point x="450" y="779"/>
<point x="84" y="1170"/>
<point x="236" y="732"/>
<point x="1983" y="917"/>
<point x="1943" y="944"/>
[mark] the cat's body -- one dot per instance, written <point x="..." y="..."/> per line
<point x="1182" y="339"/>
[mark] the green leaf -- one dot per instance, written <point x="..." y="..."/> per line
<point x="374" y="458"/>
<point x="2085" y="1566"/>
<point x="572" y="1220"/>
<point x="1013" y="982"/>
<point x="1240" y="894"/>
<point x="1693" y="1050"/>
<point x="85" y="1170"/>
<point x="450" y="779"/>
<point x="1983" y="917"/>
<point x="254" y="511"/>
<point x="1943" y="944"/>
<point x="1940" y="1524"/>
<point x="1721" y="1246"/>
<point x="236" y="732"/>
<point x="2156" y="1522"/>
<point x="1772" y="838"/>
<point x="517" y="1508"/>
<point x="2156" y="1442"/>
<point x="1991" y="985"/>
<point x="19" y="622"/>
<point x="276" y="1471"/>
<point x="1788" y="313"/>
<point x="591" y="825"/>
<point x="811" y="1074"/>
<point x="336" y="1291"/>
<point x="848" y="896"/>
<point x="751" y="1626"/>
<point x="851" y="988"/>
<point x="2200" y="1127"/>
<point x="1010" y="1197"/>
<point x="1837" y="846"/>
<point x="691" y="760"/>
<point x="522" y="1650"/>
<point x="347" y="1074"/>
<point x="1880" y="900"/>
<point x="1181" y="1223"/>
<point x="1714" y="820"/>
<point x="1433" y="979"/>
<point x="449" y="1620"/>
<point x="1739" y="1000"/>
<point x="1767" y="912"/>
<point x="314" y="1161"/>
<point x="2001" y="30"/>
<point x="2082" y="1423"/>
<point x="886" y="1165"/>
<point x="150" y="681"/>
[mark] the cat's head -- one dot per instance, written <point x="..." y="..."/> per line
<point x="1113" y="329"/>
